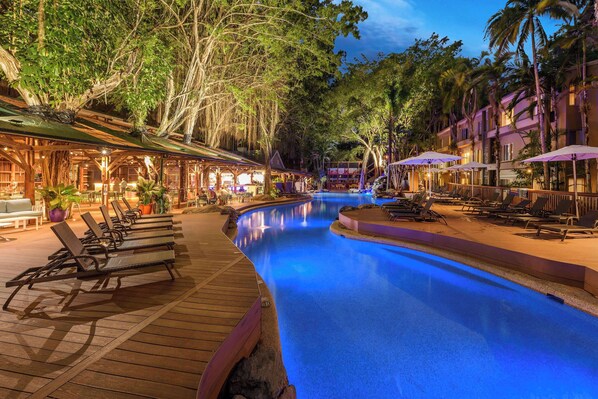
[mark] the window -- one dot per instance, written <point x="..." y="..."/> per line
<point x="507" y="152"/>
<point x="466" y="158"/>
<point x="464" y="134"/>
<point x="572" y="95"/>
<point x="507" y="118"/>
<point x="477" y="156"/>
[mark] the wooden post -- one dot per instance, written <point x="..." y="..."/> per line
<point x="29" y="183"/>
<point x="198" y="170"/>
<point x="182" y="182"/>
<point x="206" y="177"/>
<point x="218" y="179"/>
<point x="105" y="170"/>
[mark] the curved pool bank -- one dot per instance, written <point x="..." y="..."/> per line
<point x="364" y="320"/>
<point x="371" y="222"/>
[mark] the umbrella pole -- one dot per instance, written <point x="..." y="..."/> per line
<point x="429" y="179"/>
<point x="472" y="182"/>
<point x="575" y="186"/>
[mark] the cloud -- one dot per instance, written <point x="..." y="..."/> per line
<point x="392" y="26"/>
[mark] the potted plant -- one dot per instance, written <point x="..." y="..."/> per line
<point x="59" y="199"/>
<point x="146" y="190"/>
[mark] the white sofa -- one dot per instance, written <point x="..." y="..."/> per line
<point x="19" y="210"/>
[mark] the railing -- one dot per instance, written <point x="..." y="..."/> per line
<point x="586" y="201"/>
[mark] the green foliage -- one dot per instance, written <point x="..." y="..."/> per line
<point x="81" y="43"/>
<point x="60" y="196"/>
<point x="141" y="92"/>
<point x="147" y="190"/>
<point x="162" y="200"/>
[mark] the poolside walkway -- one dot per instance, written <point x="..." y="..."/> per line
<point x="142" y="335"/>
<point x="490" y="239"/>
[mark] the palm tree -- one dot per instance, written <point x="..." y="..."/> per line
<point x="519" y="22"/>
<point x="496" y="72"/>
<point x="453" y="84"/>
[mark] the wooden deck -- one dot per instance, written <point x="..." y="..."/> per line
<point x="141" y="335"/>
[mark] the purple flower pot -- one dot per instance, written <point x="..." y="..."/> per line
<point x="57" y="215"/>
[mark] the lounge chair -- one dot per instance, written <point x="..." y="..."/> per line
<point x="588" y="223"/>
<point x="536" y="210"/>
<point x="424" y="214"/>
<point x="557" y="216"/>
<point x="114" y="241"/>
<point x="503" y="205"/>
<point x="521" y="207"/>
<point x="407" y="206"/>
<point x="127" y="229"/>
<point x="137" y="212"/>
<point x="478" y="202"/>
<point x="134" y="224"/>
<point x="79" y="264"/>
<point x="133" y="217"/>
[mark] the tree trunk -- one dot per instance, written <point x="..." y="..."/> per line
<point x="268" y="173"/>
<point x="364" y="169"/>
<point x="391" y="129"/>
<point x="56" y="167"/>
<point x="584" y="107"/>
<point x="540" y="104"/>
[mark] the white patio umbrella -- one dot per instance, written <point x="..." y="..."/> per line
<point x="429" y="158"/>
<point x="570" y="153"/>
<point x="471" y="166"/>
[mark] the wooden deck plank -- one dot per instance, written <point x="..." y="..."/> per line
<point x="76" y="391"/>
<point x="165" y="362"/>
<point x="145" y="388"/>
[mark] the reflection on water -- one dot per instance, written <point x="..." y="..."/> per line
<point x="362" y="320"/>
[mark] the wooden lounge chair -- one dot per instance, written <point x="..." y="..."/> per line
<point x="111" y="225"/>
<point x="588" y="223"/>
<point x="425" y="214"/>
<point x="536" y="210"/>
<point x="114" y="241"/>
<point x="469" y="205"/>
<point x="135" y="225"/>
<point x="79" y="264"/>
<point x="504" y="205"/>
<point x="137" y="212"/>
<point x="557" y="216"/>
<point x="133" y="217"/>
<point x="521" y="207"/>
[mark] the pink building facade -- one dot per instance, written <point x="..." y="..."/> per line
<point x="479" y="145"/>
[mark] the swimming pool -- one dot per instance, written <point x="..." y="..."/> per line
<point x="364" y="320"/>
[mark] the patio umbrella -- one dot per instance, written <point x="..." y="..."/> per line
<point x="429" y="158"/>
<point x="471" y="166"/>
<point x="570" y="153"/>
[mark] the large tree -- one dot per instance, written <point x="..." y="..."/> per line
<point x="60" y="55"/>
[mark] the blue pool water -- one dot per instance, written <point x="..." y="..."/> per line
<point x="364" y="320"/>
